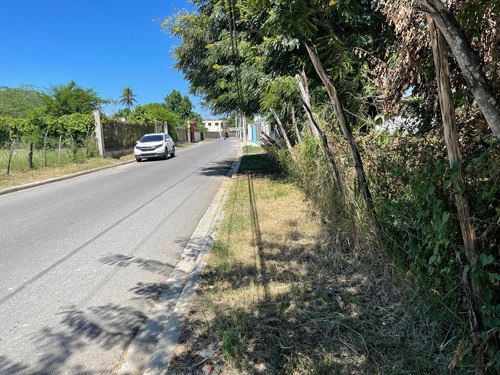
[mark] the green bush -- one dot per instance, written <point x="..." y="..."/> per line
<point x="411" y="184"/>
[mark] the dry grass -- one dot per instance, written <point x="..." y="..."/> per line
<point x="26" y="177"/>
<point x="283" y="295"/>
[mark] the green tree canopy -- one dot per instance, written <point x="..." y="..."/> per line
<point x="19" y="102"/>
<point x="182" y="106"/>
<point x="160" y="112"/>
<point x="67" y="99"/>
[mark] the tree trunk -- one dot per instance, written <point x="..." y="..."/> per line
<point x="306" y="103"/>
<point x="283" y="133"/>
<point x="346" y="129"/>
<point x="472" y="292"/>
<point x="467" y="60"/>
<point x="30" y="157"/>
<point x="304" y="98"/>
<point x="10" y="155"/>
<point x="45" y="147"/>
<point x="294" y="122"/>
<point x="60" y="146"/>
<point x="268" y="141"/>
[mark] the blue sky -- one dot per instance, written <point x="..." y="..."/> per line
<point x="100" y="44"/>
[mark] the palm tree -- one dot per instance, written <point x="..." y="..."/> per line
<point x="127" y="97"/>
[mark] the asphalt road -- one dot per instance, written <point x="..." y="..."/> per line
<point x="82" y="261"/>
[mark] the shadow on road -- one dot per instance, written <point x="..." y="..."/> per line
<point x="149" y="265"/>
<point x="216" y="169"/>
<point x="107" y="326"/>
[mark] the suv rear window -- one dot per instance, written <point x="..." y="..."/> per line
<point x="152" y="138"/>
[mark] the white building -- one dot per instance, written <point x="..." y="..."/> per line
<point x="215" y="125"/>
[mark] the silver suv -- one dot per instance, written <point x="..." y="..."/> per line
<point x="157" y="145"/>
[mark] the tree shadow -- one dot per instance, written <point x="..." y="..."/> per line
<point x="258" y="165"/>
<point x="216" y="169"/>
<point x="106" y="326"/>
<point x="121" y="260"/>
<point x="298" y="306"/>
<point x="182" y="242"/>
<point x="8" y="367"/>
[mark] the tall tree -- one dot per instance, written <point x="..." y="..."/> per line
<point x="181" y="105"/>
<point x="127" y="97"/>
<point x="468" y="61"/>
<point x="472" y="291"/>
<point x="67" y="99"/>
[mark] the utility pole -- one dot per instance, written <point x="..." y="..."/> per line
<point x="244" y="125"/>
<point x="238" y="134"/>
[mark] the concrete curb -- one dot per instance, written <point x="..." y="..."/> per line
<point x="181" y="287"/>
<point x="61" y="178"/>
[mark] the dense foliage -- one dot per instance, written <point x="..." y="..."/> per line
<point x="243" y="56"/>
<point x="66" y="99"/>
<point x="19" y="102"/>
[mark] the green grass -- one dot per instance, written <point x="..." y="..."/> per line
<point x="252" y="149"/>
<point x="21" y="174"/>
<point x="19" y="162"/>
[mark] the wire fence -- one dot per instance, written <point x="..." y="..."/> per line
<point x="19" y="156"/>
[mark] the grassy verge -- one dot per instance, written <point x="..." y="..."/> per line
<point x="252" y="149"/>
<point x="23" y="176"/>
<point x="282" y="295"/>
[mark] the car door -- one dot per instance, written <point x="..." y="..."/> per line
<point x="168" y="146"/>
<point x="170" y="142"/>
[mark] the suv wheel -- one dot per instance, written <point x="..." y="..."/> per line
<point x="173" y="152"/>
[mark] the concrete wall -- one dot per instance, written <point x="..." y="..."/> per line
<point x="212" y="135"/>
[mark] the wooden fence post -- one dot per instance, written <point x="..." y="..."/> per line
<point x="30" y="157"/>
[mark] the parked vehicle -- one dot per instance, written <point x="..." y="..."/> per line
<point x="157" y="145"/>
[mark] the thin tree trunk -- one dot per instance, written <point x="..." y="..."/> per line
<point x="294" y="122"/>
<point x="472" y="291"/>
<point x="10" y="156"/>
<point x="345" y="127"/>
<point x="283" y="133"/>
<point x="268" y="141"/>
<point x="60" y="146"/>
<point x="30" y="157"/>
<point x="72" y="147"/>
<point x="45" y="147"/>
<point x="467" y="60"/>
<point x="304" y="98"/>
<point x="306" y="103"/>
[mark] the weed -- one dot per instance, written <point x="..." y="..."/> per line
<point x="283" y="294"/>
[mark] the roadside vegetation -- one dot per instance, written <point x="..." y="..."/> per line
<point x="284" y="294"/>
<point x="55" y="127"/>
<point x="386" y="115"/>
<point x="21" y="175"/>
